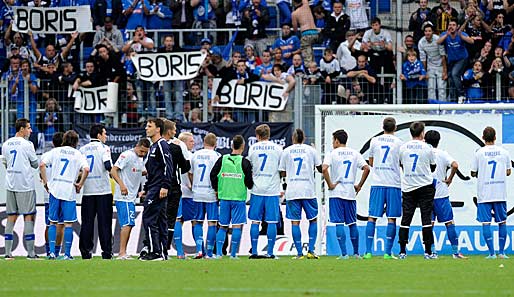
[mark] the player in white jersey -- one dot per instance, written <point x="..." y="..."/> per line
<point x="384" y="154"/>
<point x="128" y="172"/>
<point x="57" y="142"/>
<point x="204" y="196"/>
<point x="298" y="163"/>
<point x="97" y="196"/>
<point x="418" y="162"/>
<point x="340" y="173"/>
<point x="265" y="198"/>
<point x="21" y="160"/>
<point x="67" y="163"/>
<point x="186" y="208"/>
<point x="491" y="166"/>
<point x="442" y="205"/>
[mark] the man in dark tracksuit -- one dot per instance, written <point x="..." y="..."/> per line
<point x="160" y="169"/>
<point x="174" y="194"/>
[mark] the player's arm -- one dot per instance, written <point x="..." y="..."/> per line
<point x="116" y="176"/>
<point x="453" y="169"/>
<point x="247" y="170"/>
<point x="107" y="159"/>
<point x="509" y="172"/>
<point x="214" y="173"/>
<point x="365" y="173"/>
<point x="42" y="174"/>
<point x="326" y="176"/>
<point x="370" y="161"/>
<point x="83" y="176"/>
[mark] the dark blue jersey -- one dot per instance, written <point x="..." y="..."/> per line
<point x="159" y="166"/>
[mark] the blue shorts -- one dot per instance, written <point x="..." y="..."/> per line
<point x="390" y="197"/>
<point x="232" y="212"/>
<point x="294" y="209"/>
<point x="126" y="213"/>
<point x="484" y="214"/>
<point x="206" y="208"/>
<point x="442" y="210"/>
<point x="61" y="210"/>
<point x="264" y="208"/>
<point x="342" y="211"/>
<point x="186" y="209"/>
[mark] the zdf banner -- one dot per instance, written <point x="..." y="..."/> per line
<point x="168" y="66"/>
<point x="256" y="95"/>
<point x="52" y="19"/>
<point x="102" y="99"/>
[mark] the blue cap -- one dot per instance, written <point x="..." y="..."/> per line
<point x="216" y="51"/>
<point x="206" y="40"/>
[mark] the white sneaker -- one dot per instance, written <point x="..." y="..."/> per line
<point x="461" y="99"/>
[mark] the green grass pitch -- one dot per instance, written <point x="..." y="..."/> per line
<point x="284" y="277"/>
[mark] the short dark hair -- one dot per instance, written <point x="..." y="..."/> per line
<point x="416" y="129"/>
<point x="21" y="123"/>
<point x="237" y="142"/>
<point x="389" y="124"/>
<point x="341" y="136"/>
<point x="376" y="20"/>
<point x="159" y="123"/>
<point x="298" y="135"/>
<point x="144" y="142"/>
<point x="70" y="138"/>
<point x="95" y="130"/>
<point x="489" y="134"/>
<point x="432" y="137"/>
<point x="57" y="139"/>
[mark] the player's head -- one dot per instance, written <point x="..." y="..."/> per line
<point x="170" y="128"/>
<point x="389" y="125"/>
<point x="188" y="139"/>
<point x="142" y="147"/>
<point x="340" y="137"/>
<point x="298" y="136"/>
<point x="262" y="132"/>
<point x="154" y="127"/>
<point x="210" y="140"/>
<point x="57" y="139"/>
<point x="417" y="129"/>
<point x="70" y="138"/>
<point x="489" y="134"/>
<point x="238" y="143"/>
<point x="432" y="137"/>
<point x="97" y="131"/>
<point x="23" y="128"/>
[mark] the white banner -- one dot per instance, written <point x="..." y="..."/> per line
<point x="168" y="66"/>
<point x="257" y="95"/>
<point x="102" y="99"/>
<point x="52" y="19"/>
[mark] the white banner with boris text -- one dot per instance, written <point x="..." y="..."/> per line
<point x="55" y="20"/>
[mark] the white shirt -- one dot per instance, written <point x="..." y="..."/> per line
<point x="373" y="40"/>
<point x="416" y="157"/>
<point x="443" y="161"/>
<point x="48" y="177"/>
<point x="431" y="52"/>
<point x="356" y="9"/>
<point x="491" y="162"/>
<point x="131" y="172"/>
<point x="201" y="166"/>
<point x="21" y="160"/>
<point x="66" y="163"/>
<point x="299" y="161"/>
<point x="186" y="183"/>
<point x="343" y="163"/>
<point x="385" y="151"/>
<point x="97" y="182"/>
<point x="265" y="158"/>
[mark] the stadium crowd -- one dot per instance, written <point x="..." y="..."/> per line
<point x="453" y="54"/>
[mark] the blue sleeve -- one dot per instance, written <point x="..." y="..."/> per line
<point x="296" y="43"/>
<point x="243" y="4"/>
<point x="468" y="75"/>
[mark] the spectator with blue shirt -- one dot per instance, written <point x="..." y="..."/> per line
<point x="265" y="67"/>
<point x="454" y="42"/>
<point x="204" y="16"/>
<point x="474" y="81"/>
<point x="159" y="16"/>
<point x="284" y="7"/>
<point x="255" y="20"/>
<point x="288" y="43"/>
<point x="134" y="13"/>
<point x="414" y="75"/>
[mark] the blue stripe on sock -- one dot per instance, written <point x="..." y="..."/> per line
<point x="30" y="237"/>
<point x="8" y="237"/>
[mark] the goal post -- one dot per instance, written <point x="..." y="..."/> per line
<point x="460" y="126"/>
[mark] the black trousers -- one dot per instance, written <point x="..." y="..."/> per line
<point x="171" y="213"/>
<point x="99" y="206"/>
<point x="424" y="198"/>
<point x="154" y="221"/>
